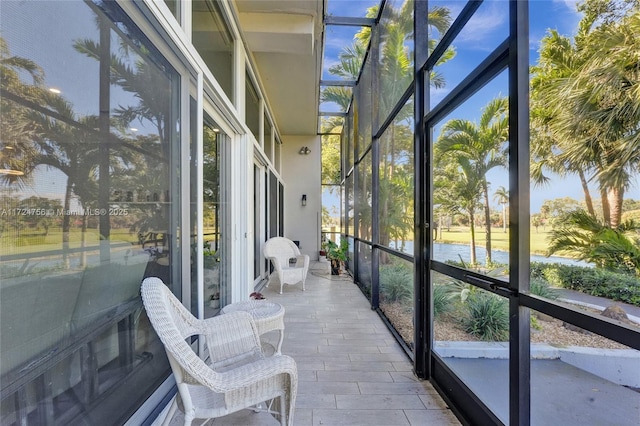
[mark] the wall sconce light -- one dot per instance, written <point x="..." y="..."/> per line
<point x="304" y="150"/>
<point x="304" y="200"/>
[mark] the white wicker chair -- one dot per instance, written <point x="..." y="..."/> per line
<point x="279" y="250"/>
<point x="239" y="376"/>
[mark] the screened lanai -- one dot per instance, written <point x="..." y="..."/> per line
<point x="479" y="160"/>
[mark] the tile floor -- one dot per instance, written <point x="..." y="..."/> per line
<point x="351" y="370"/>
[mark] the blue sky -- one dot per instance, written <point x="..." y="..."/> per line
<point x="484" y="32"/>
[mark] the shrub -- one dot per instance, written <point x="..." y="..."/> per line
<point x="441" y="300"/>
<point x="486" y="316"/>
<point x="541" y="287"/>
<point x="593" y="281"/>
<point x="396" y="283"/>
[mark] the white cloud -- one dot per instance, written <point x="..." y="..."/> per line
<point x="570" y="4"/>
<point x="328" y="63"/>
<point x="485" y="24"/>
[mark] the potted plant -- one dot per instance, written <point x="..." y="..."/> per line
<point x="322" y="256"/>
<point x="337" y="254"/>
<point x="211" y="258"/>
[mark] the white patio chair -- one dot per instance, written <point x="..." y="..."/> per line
<point x="280" y="250"/>
<point x="239" y="376"/>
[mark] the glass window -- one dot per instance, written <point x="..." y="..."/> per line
<point x="281" y="209"/>
<point x="349" y="134"/>
<point x="396" y="294"/>
<point x="470" y="166"/>
<point x="396" y="187"/>
<point x="330" y="173"/>
<point x="349" y="200"/>
<point x="471" y="335"/>
<point x="363" y="92"/>
<point x="364" y="197"/>
<point x="252" y="107"/>
<point x="174" y="7"/>
<point x="268" y="138"/>
<point x="193" y="200"/>
<point x="487" y="28"/>
<point x="364" y="268"/>
<point x="273" y="205"/>
<point x="214" y="214"/>
<point x="331" y="208"/>
<point x="93" y="205"/>
<point x="278" y="155"/>
<point x="587" y="367"/>
<point x="214" y="42"/>
<point x="395" y="62"/>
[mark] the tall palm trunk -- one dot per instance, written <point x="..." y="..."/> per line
<point x="473" y="237"/>
<point x="615" y="197"/>
<point x="83" y="241"/>
<point x="606" y="211"/>
<point x="504" y="218"/>
<point x="587" y="193"/>
<point x="66" y="225"/>
<point x="487" y="222"/>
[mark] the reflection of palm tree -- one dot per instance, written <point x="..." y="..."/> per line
<point x="502" y="196"/>
<point x="63" y="144"/>
<point x="142" y="80"/>
<point x="17" y="152"/>
<point x="482" y="145"/>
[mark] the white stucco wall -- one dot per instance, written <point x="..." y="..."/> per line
<point x="301" y="175"/>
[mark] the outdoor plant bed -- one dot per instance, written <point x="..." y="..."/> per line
<point x="447" y="328"/>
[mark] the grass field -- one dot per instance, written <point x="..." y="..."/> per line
<point x="32" y="242"/>
<point x="499" y="239"/>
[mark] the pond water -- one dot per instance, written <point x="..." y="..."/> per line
<point x="443" y="252"/>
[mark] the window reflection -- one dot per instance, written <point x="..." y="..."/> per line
<point x="90" y="214"/>
<point x="214" y="42"/>
<point x="396" y="182"/>
<point x="213" y="217"/>
<point x="252" y="107"/>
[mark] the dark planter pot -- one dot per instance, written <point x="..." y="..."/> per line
<point x="335" y="267"/>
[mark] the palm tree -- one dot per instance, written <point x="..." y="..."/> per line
<point x="502" y="196"/>
<point x="457" y="188"/>
<point x="606" y="95"/>
<point x="395" y="59"/>
<point x="483" y="145"/>
<point x="558" y="60"/>
<point x="396" y="72"/>
<point x="586" y="238"/>
<point x="585" y="107"/>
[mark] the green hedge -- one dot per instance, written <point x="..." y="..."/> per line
<point x="596" y="282"/>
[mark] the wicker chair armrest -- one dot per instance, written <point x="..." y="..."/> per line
<point x="275" y="262"/>
<point x="249" y="374"/>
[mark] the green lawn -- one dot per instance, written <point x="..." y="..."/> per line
<point x="499" y="239"/>
<point x="31" y="242"/>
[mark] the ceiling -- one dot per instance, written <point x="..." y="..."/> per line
<point x="285" y="38"/>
